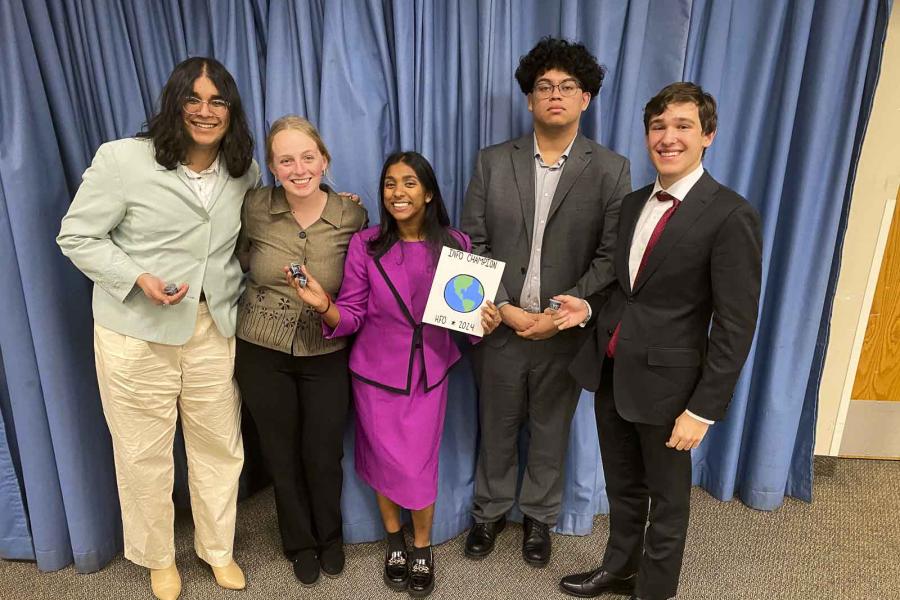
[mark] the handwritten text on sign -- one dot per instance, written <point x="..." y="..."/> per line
<point x="462" y="283"/>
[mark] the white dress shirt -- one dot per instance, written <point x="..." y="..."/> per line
<point x="204" y="182"/>
<point x="650" y="215"/>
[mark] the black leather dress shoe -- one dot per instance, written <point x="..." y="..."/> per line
<point x="396" y="569"/>
<point x="332" y="559"/>
<point x="536" y="542"/>
<point x="421" y="572"/>
<point x="596" y="582"/>
<point x="481" y="538"/>
<point x="306" y="567"/>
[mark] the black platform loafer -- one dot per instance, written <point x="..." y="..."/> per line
<point x="332" y="559"/>
<point x="306" y="567"/>
<point x="421" y="572"/>
<point x="536" y="542"/>
<point x="396" y="570"/>
<point x="481" y="538"/>
<point x="596" y="582"/>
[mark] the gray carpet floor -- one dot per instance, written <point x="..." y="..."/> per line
<point x="846" y="544"/>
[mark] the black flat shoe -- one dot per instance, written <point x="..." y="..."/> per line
<point x="306" y="567"/>
<point x="421" y="572"/>
<point x="536" y="543"/>
<point x="396" y="570"/>
<point x="332" y="559"/>
<point x="481" y="538"/>
<point x="596" y="582"/>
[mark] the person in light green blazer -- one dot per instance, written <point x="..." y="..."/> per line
<point x="154" y="225"/>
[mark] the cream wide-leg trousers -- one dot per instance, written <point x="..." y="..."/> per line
<point x="144" y="387"/>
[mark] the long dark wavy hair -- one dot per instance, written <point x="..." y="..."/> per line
<point x="435" y="227"/>
<point x="166" y="128"/>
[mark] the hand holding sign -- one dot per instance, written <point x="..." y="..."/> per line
<point x="490" y="317"/>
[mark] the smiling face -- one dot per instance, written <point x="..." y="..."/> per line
<point x="404" y="196"/>
<point x="208" y="125"/>
<point x="297" y="163"/>
<point x="557" y="110"/>
<point x="675" y="141"/>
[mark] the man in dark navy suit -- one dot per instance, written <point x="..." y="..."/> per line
<point x="671" y="335"/>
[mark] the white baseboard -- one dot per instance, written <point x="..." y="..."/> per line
<point x="872" y="430"/>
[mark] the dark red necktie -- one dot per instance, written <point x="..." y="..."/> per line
<point x="654" y="237"/>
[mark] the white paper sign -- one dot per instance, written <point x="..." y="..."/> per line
<point x="462" y="283"/>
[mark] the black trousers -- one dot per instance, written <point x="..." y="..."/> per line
<point x="645" y="482"/>
<point x="299" y="405"/>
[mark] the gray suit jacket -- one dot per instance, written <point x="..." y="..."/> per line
<point x="580" y="235"/>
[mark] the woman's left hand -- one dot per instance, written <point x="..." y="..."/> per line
<point x="490" y="317"/>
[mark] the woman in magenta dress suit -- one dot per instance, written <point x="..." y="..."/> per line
<point x="399" y="365"/>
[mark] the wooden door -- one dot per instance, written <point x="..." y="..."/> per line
<point x="878" y="373"/>
<point x="873" y="418"/>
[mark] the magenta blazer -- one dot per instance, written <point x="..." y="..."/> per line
<point x="375" y="302"/>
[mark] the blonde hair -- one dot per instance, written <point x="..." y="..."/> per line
<point x="299" y="124"/>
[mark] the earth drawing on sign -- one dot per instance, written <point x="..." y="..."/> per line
<point x="463" y="293"/>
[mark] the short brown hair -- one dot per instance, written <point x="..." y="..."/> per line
<point x="299" y="124"/>
<point x="683" y="91"/>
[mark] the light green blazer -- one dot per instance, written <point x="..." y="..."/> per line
<point x="131" y="215"/>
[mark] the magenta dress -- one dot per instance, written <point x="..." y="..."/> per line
<point x="398" y="436"/>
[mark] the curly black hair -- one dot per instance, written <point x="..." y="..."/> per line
<point x="166" y="128"/>
<point x="554" y="53"/>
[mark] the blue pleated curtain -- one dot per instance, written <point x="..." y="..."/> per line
<point x="794" y="80"/>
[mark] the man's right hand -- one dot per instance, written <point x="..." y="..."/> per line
<point x="153" y="288"/>
<point x="517" y="319"/>
<point x="571" y="313"/>
<point x="350" y="196"/>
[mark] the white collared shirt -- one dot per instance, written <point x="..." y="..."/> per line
<point x="650" y="215"/>
<point x="204" y="182"/>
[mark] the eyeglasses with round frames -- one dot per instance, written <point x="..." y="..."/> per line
<point x="567" y="89"/>
<point x="217" y="106"/>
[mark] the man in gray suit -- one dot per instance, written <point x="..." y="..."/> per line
<point x="548" y="205"/>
